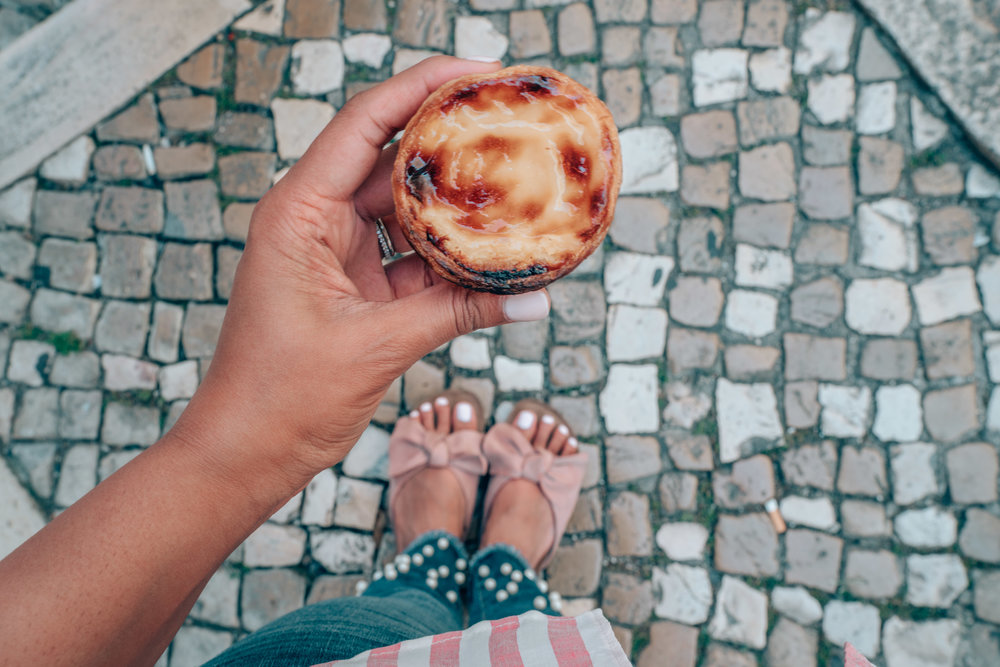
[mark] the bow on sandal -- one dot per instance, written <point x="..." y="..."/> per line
<point x="559" y="478"/>
<point x="413" y="448"/>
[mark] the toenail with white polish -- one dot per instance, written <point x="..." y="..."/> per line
<point x="425" y="407"/>
<point x="414" y="414"/>
<point x="525" y="420"/>
<point x="548" y="419"/>
<point x="573" y="443"/>
<point x="563" y="429"/>
<point x="441" y="400"/>
<point x="463" y="412"/>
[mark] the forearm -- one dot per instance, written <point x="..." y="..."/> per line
<point x="112" y="578"/>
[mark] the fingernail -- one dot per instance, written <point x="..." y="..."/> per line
<point x="441" y="400"/>
<point x="425" y="407"/>
<point x="525" y="420"/>
<point x="548" y="419"/>
<point x="526" y="307"/>
<point x="482" y="59"/>
<point x="463" y="412"/>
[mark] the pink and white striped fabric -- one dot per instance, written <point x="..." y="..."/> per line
<point x="531" y="639"/>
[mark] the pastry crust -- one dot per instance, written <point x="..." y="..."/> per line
<point x="506" y="181"/>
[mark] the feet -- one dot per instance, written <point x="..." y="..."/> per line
<point x="520" y="515"/>
<point x="433" y="499"/>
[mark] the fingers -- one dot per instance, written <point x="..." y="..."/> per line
<point x="410" y="275"/>
<point x="374" y="198"/>
<point x="428" y="318"/>
<point x="399" y="240"/>
<point x="344" y="154"/>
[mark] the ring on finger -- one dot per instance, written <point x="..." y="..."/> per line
<point x="385" y="245"/>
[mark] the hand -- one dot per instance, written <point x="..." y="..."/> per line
<point x="316" y="328"/>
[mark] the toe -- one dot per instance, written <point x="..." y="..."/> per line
<point x="464" y="416"/>
<point x="427" y="416"/>
<point x="526" y="423"/>
<point x="546" y="425"/>
<point x="572" y="446"/>
<point x="558" y="440"/>
<point x="442" y="413"/>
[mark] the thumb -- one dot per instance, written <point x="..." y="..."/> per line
<point x="424" y="321"/>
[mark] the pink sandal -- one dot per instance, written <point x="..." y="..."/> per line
<point x="413" y="448"/>
<point x="559" y="478"/>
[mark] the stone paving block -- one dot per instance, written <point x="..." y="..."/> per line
<point x="635" y="333"/>
<point x="317" y="67"/>
<point x="949" y="235"/>
<point x="342" y="552"/>
<point x="699" y="245"/>
<point x="685" y="593"/>
<point x="514" y="375"/>
<point x="370" y="456"/>
<point x="640" y="224"/>
<point x="184" y="272"/>
<point x="190" y="114"/>
<point x="682" y="541"/>
<point x="620" y="45"/>
<point x="740" y="614"/>
<point x="819" y="303"/>
<point x="37" y="460"/>
<point x="244" y="130"/>
<point x="878" y="306"/>
<point x="874" y="62"/>
<point x="17" y="255"/>
<point x="193" y="211"/>
<point x="809" y="512"/>
<point x="137" y="123"/>
<point x="71" y="265"/>
<point x="748" y="418"/>
<point x="665" y="94"/>
<point x="29" y="361"/>
<point x="16" y="203"/>
<point x="791" y="645"/>
<point x="720" y="22"/>
<point x="746" y="545"/>
<point x="981" y="183"/>
<point x="767" y="172"/>
<point x="813" y="559"/>
<point x="125" y="424"/>
<point x="578" y="310"/>
<point x="678" y="492"/>
<point x="814" y="357"/>
<point x="357" y="503"/>
<point x="130" y="209"/>
<point x="771" y="70"/>
<point x="623" y="95"/>
<point x="873" y="574"/>
<point x="525" y="340"/>
<point x="661" y="47"/>
<point x="474" y="36"/>
<point x="889" y="359"/>
<point x="259" y="69"/>
<point x="854" y="622"/>
<point x="706" y="185"/>
<point x="913" y="471"/>
<point x="272" y="545"/>
<point x="575" y="30"/>
<point x="831" y="98"/>
<point x="122" y="328"/>
<point x="898" y="416"/>
<point x="770" y="118"/>
<point x="886" y="230"/>
<point x="13" y="302"/>
<point x="696" y="301"/>
<point x="864" y="519"/>
<point x="218" y="602"/>
<point x="810" y="465"/>
<point x="636" y="278"/>
<point x="952" y="414"/>
<point x="649" y="160"/>
<point x="880" y="165"/>
<point x="226" y="261"/>
<point x="930" y="527"/>
<point x="826" y="193"/>
<point x="752" y="314"/>
<point x="629" y="532"/>
<point x="972" y="473"/>
<point x="719" y="75"/>
<point x="631" y="457"/>
<point x="938" y="181"/>
<point x="68" y="214"/>
<point x="576" y="568"/>
<point x="797" y="604"/>
<point x="270" y="594"/>
<point x="862" y="472"/>
<point x="822" y="244"/>
<point x="709" y="134"/>
<point x="529" y="34"/>
<point x="178" y="380"/>
<point x="79" y="414"/>
<point x="79" y="369"/>
<point x="766" y="21"/>
<point x="826" y="148"/>
<point x="934" y="580"/>
<point x="176" y="162"/>
<point x="673" y="11"/>
<point x="626" y="598"/>
<point x="204" y="68"/>
<point x="200" y="331"/>
<point x="988" y="278"/>
<point x="588" y="515"/>
<point x="824" y="41"/>
<point x="986" y="588"/>
<point x="920" y="644"/>
<point x="165" y="332"/>
<point x="685" y="407"/>
<point x="749" y="482"/>
<point x="750" y="362"/>
<point x="59" y="312"/>
<point x="670" y="645"/>
<point x="980" y="536"/>
<point x="123" y="373"/>
<point x="766" y="225"/>
<point x="927" y="129"/>
<point x="876" y="108"/>
<point x="69" y="165"/>
<point x="947" y="349"/>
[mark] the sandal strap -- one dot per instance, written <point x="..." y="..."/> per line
<point x="413" y="448"/>
<point x="559" y="478"/>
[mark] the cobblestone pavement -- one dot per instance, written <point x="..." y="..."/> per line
<point x="799" y="299"/>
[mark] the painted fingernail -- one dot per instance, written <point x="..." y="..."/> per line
<point x="525" y="420"/>
<point x="425" y="407"/>
<point x="463" y="412"/>
<point x="526" y="307"/>
<point x="482" y="59"/>
<point x="563" y="429"/>
<point x="548" y="419"/>
<point x="441" y="400"/>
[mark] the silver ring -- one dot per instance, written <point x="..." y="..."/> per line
<point x="384" y="241"/>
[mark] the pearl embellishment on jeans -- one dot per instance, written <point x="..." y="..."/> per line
<point x="529" y="574"/>
<point x="418" y="560"/>
<point x="516" y="576"/>
<point x="511" y="587"/>
<point x="459" y="578"/>
<point x="490" y="584"/>
<point x="360" y="587"/>
<point x="540" y="602"/>
<point x="501" y="596"/>
<point x="483" y="571"/>
<point x="452" y="596"/>
<point x="461" y="564"/>
<point x="506" y="569"/>
<point x="428" y="550"/>
<point x="431" y="583"/>
<point x="444" y="571"/>
<point x="432" y="574"/>
<point x="443" y="543"/>
<point x="390" y="572"/>
<point x="403" y="567"/>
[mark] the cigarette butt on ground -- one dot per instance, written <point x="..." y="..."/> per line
<point x="778" y="521"/>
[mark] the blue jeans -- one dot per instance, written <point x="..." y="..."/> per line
<point x="405" y="601"/>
